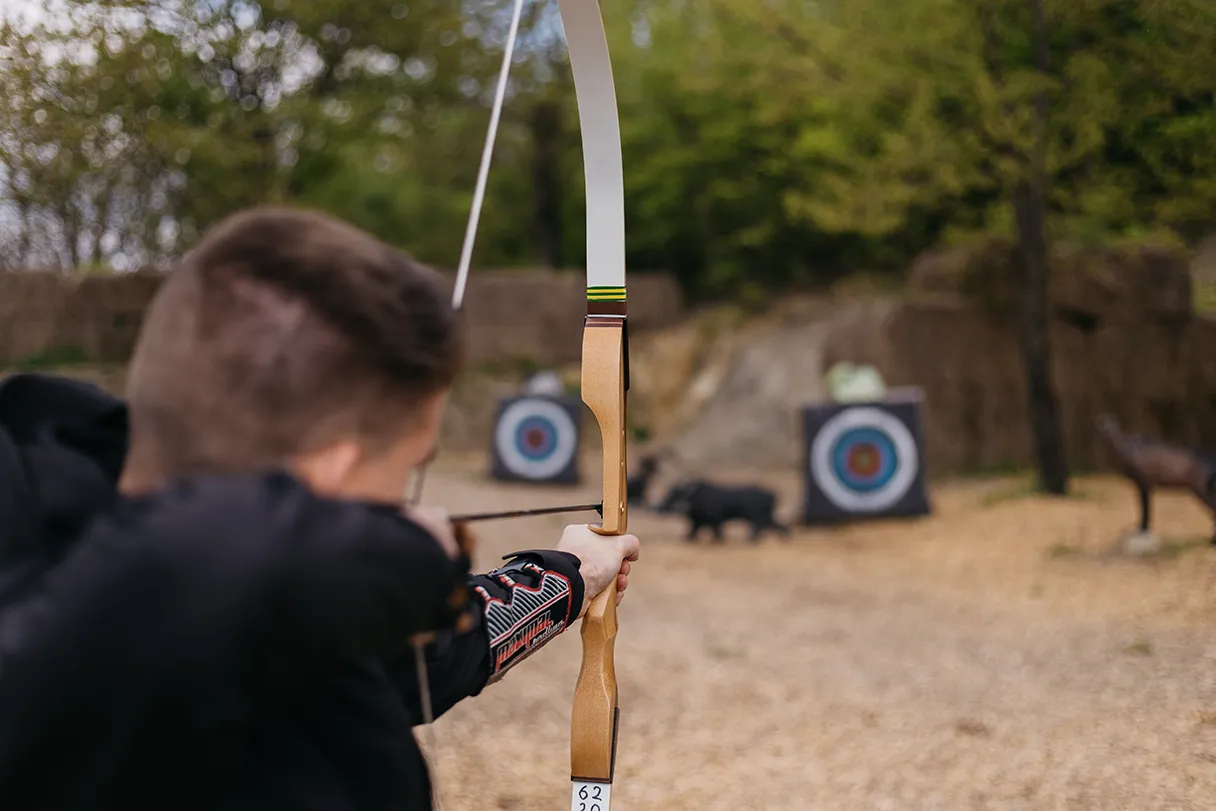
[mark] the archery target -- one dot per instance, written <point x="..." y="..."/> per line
<point x="536" y="439"/>
<point x="864" y="461"/>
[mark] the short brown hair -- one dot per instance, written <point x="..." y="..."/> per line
<point x="283" y="331"/>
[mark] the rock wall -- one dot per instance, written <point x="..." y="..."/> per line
<point x="737" y="403"/>
<point x="533" y="316"/>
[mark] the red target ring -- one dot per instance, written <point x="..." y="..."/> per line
<point x="864" y="460"/>
<point x="534" y="439"/>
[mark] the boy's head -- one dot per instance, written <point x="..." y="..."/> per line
<point x="290" y="339"/>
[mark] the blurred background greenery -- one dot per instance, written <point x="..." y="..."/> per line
<point x="771" y="146"/>
<point x="768" y="145"/>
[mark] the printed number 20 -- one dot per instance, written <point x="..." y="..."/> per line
<point x="594" y="796"/>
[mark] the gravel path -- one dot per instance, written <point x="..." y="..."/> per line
<point x="998" y="655"/>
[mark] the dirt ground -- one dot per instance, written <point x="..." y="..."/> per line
<point x="998" y="655"/>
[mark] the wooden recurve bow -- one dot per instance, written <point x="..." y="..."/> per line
<point x="605" y="375"/>
<point x="605" y="381"/>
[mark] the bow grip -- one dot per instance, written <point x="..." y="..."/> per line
<point x="594" y="719"/>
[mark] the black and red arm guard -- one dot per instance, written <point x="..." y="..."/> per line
<point x="527" y="603"/>
<point x="517" y="609"/>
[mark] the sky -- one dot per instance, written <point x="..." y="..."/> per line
<point x="33" y="10"/>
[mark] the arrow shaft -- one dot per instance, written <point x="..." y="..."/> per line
<point x="494" y="516"/>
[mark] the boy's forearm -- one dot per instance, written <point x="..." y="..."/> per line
<point x="360" y="578"/>
<point x="527" y="603"/>
<point x="255" y="579"/>
<point x="523" y="605"/>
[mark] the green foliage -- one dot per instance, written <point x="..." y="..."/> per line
<point x="932" y="121"/>
<point x="768" y="145"/>
<point x="50" y="359"/>
<point x="639" y="433"/>
<point x="1205" y="297"/>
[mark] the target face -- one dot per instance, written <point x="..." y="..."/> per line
<point x="535" y="439"/>
<point x="864" y="460"/>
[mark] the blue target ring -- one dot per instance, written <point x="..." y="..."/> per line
<point x="864" y="459"/>
<point x="535" y="438"/>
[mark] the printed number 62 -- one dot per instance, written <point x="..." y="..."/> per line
<point x="595" y="797"/>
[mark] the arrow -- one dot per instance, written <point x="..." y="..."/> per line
<point x="573" y="508"/>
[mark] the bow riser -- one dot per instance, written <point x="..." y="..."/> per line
<point x="593" y="723"/>
<point x="605" y="383"/>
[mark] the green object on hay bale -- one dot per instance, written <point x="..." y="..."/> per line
<point x="849" y="383"/>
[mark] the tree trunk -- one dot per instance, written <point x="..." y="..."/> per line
<point x="1036" y="349"/>
<point x="547" y="225"/>
<point x="69" y="242"/>
<point x="1030" y="212"/>
<point x="263" y="136"/>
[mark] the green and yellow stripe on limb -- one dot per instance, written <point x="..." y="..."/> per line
<point x="605" y="294"/>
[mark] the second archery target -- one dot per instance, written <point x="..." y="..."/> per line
<point x="536" y="439"/>
<point x="864" y="460"/>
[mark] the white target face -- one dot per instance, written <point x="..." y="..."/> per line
<point x="535" y="439"/>
<point x="864" y="460"/>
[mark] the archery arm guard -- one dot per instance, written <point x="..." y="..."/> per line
<point x="526" y="603"/>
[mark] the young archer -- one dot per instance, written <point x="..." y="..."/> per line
<point x="207" y="593"/>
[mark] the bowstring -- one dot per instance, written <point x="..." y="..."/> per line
<point x="479" y="194"/>
<point x="462" y="278"/>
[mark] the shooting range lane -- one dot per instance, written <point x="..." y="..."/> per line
<point x="994" y="655"/>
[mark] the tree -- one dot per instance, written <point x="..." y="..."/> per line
<point x="767" y="145"/>
<point x="953" y="117"/>
<point x="1030" y="215"/>
<point x="709" y="116"/>
<point x="133" y="125"/>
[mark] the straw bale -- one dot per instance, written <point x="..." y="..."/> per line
<point x="1139" y="283"/>
<point x="532" y="316"/>
<point x="1156" y="375"/>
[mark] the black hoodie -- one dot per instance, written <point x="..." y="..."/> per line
<point x="62" y="447"/>
<point x="229" y="642"/>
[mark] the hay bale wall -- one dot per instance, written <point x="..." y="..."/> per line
<point x="534" y="316"/>
<point x="1124" y="340"/>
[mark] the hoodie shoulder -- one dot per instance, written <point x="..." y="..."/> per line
<point x="63" y="443"/>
